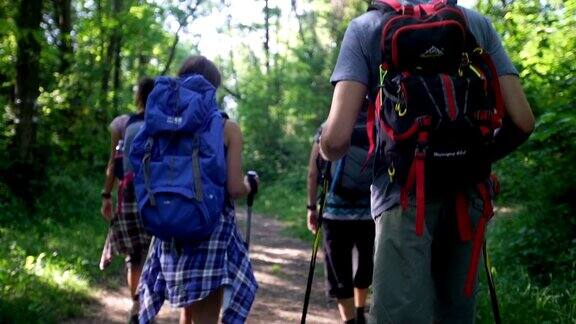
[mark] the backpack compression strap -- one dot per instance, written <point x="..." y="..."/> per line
<point x="146" y="169"/>
<point x="475" y="235"/>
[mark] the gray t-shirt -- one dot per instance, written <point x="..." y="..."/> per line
<point x="360" y="57"/>
<point x="130" y="133"/>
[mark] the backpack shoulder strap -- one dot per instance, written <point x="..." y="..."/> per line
<point x="386" y="6"/>
<point x="135" y="118"/>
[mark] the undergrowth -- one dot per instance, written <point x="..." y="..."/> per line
<point x="534" y="281"/>
<point x="49" y="256"/>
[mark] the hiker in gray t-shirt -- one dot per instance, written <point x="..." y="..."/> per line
<point x="405" y="288"/>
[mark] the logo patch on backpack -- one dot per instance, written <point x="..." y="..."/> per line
<point x="432" y="52"/>
<point x="174" y="120"/>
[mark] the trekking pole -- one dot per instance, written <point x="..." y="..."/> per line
<point x="322" y="202"/>
<point x="250" y="202"/>
<point x="491" y="287"/>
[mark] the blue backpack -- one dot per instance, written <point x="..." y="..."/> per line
<point x="179" y="161"/>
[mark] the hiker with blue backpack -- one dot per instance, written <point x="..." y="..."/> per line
<point x="446" y="103"/>
<point x="126" y="235"/>
<point x="346" y="222"/>
<point x="188" y="170"/>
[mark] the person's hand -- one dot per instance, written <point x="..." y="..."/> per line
<point x="247" y="183"/>
<point x="312" y="221"/>
<point x="106" y="209"/>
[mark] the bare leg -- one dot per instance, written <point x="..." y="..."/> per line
<point x="133" y="277"/>
<point x="205" y="311"/>
<point x="346" y="308"/>
<point x="360" y="295"/>
<point x="133" y="272"/>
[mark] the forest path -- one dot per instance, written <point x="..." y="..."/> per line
<point x="281" y="268"/>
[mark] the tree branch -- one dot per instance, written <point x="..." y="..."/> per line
<point x="182" y="23"/>
<point x="233" y="93"/>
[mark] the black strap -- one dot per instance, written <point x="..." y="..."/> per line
<point x="491" y="288"/>
<point x="382" y="7"/>
<point x="135" y="118"/>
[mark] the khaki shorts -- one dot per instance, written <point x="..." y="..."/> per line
<point x="420" y="279"/>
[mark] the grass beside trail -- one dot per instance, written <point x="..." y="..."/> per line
<point x="49" y="258"/>
<point x="523" y="299"/>
<point x="286" y="200"/>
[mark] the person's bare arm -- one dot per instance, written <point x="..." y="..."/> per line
<point x="346" y="105"/>
<point x="109" y="180"/>
<point x="515" y="103"/>
<point x="236" y="184"/>
<point x="518" y="122"/>
<point x="106" y="209"/>
<point x="312" y="214"/>
<point x="313" y="175"/>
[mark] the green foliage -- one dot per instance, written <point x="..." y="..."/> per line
<point x="47" y="267"/>
<point x="280" y="111"/>
<point x="541" y="176"/>
<point x="285" y="199"/>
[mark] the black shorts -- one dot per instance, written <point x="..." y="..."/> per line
<point x="340" y="237"/>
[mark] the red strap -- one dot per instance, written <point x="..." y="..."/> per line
<point x="397" y="6"/>
<point x="475" y="259"/>
<point x="448" y="87"/>
<point x="483" y="115"/>
<point x="418" y="11"/>
<point x="495" y="85"/>
<point x="463" y="217"/>
<point x="420" y="192"/>
<point x="485" y="131"/>
<point x="424" y="121"/>
<point x="128" y="178"/>
<point x="487" y="212"/>
<point x="370" y="128"/>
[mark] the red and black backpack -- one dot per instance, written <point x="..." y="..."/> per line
<point x="437" y="106"/>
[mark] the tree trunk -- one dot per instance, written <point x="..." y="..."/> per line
<point x="63" y="17"/>
<point x="117" y="84"/>
<point x="27" y="78"/>
<point x="112" y="57"/>
<point x="267" y="36"/>
<point x="23" y="168"/>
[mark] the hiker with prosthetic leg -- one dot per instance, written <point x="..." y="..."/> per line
<point x="446" y="104"/>
<point x="346" y="223"/>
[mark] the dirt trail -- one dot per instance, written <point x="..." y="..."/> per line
<point x="281" y="267"/>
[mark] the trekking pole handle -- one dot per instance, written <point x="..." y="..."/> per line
<point x="253" y="186"/>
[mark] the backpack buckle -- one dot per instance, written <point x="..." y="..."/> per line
<point x="424" y="121"/>
<point x="421" y="145"/>
<point x="400" y="109"/>
<point x="391" y="172"/>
